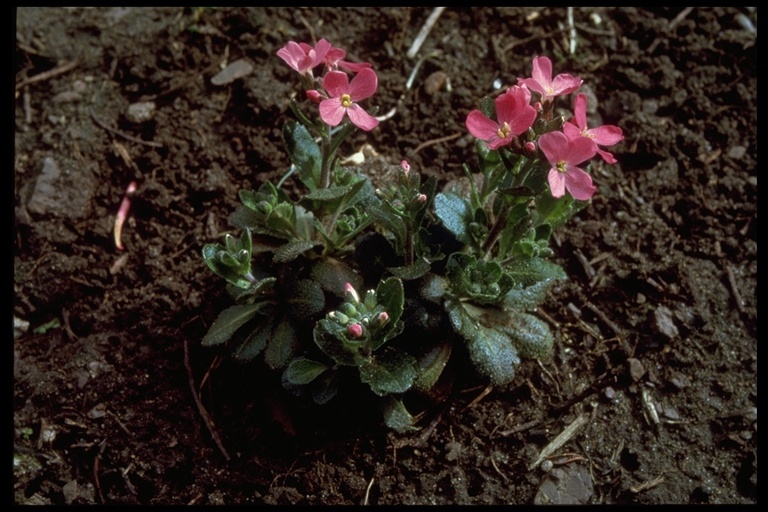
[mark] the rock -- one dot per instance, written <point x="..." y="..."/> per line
<point x="663" y="323"/>
<point x="636" y="369"/>
<point x="140" y="112"/>
<point x="62" y="191"/>
<point x="569" y="485"/>
<point x="237" y="69"/>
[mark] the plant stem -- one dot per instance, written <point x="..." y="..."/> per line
<point x="325" y="170"/>
<point x="408" y="244"/>
<point x="498" y="227"/>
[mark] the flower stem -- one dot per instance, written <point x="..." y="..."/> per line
<point x="498" y="227"/>
<point x="325" y="170"/>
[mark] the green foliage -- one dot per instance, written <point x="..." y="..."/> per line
<point x="334" y="277"/>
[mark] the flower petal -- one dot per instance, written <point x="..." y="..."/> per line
<point x="580" y="150"/>
<point x="579" y="183"/>
<point x="606" y="135"/>
<point x="608" y="157"/>
<point x="555" y="147"/>
<point x="580" y="111"/>
<point x="556" y="182"/>
<point x="361" y="118"/>
<point x="523" y="120"/>
<point x="321" y="51"/>
<point x="336" y="83"/>
<point x="331" y="111"/>
<point x="482" y="127"/>
<point x="571" y="130"/>
<point x="363" y="84"/>
<point x="542" y="71"/>
<point x="565" y="84"/>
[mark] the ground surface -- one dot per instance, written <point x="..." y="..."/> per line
<point x="656" y="355"/>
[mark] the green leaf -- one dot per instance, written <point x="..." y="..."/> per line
<point x="303" y="371"/>
<point x="491" y="351"/>
<point x="411" y="272"/>
<point x="333" y="274"/>
<point x="530" y="271"/>
<point x="391" y="296"/>
<point x="431" y="365"/>
<point x="304" y="153"/>
<point x="51" y="324"/>
<point x="455" y="214"/>
<point x="527" y="298"/>
<point x="397" y="417"/>
<point x="325" y="387"/>
<point x="556" y="212"/>
<point x="529" y="334"/>
<point x="293" y="250"/>
<point x="229" y="321"/>
<point x="387" y="219"/>
<point x="283" y="345"/>
<point x="211" y="256"/>
<point x="327" y="194"/>
<point x="255" y="342"/>
<point x="306" y="299"/>
<point x="329" y="338"/>
<point x="391" y="371"/>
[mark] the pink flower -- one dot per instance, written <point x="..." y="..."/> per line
<point x="514" y="113"/>
<point x="565" y="155"/>
<point x="344" y="95"/>
<point x="303" y="57"/>
<point x="333" y="59"/>
<point x="606" y="135"/>
<point x="543" y="83"/>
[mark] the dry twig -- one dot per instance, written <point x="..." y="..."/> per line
<point x="436" y="141"/>
<point x="424" y="32"/>
<point x="203" y="413"/>
<point x="123" y="134"/>
<point x="45" y="75"/>
<point x="561" y="439"/>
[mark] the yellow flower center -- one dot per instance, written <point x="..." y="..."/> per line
<point x="504" y="131"/>
<point x="562" y="166"/>
<point x="346" y="100"/>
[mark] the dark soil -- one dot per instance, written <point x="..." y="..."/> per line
<point x="656" y="353"/>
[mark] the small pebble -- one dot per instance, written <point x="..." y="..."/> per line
<point x="679" y="380"/>
<point x="140" y="112"/>
<point x="435" y="82"/>
<point x="737" y="152"/>
<point x="636" y="369"/>
<point x="663" y="323"/>
<point x="237" y="69"/>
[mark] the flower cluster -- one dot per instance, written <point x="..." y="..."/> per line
<point x="336" y="94"/>
<point x="452" y="277"/>
<point x="565" y="150"/>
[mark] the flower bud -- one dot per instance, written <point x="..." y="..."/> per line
<point x="370" y="299"/>
<point x="530" y="148"/>
<point x="382" y="319"/>
<point x="351" y="293"/>
<point x="348" y="309"/>
<point x="314" y="96"/>
<point x="355" y="330"/>
<point x="338" y="317"/>
<point x="421" y="198"/>
<point x="406" y="166"/>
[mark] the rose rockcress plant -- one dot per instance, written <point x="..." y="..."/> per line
<point x="386" y="287"/>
